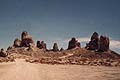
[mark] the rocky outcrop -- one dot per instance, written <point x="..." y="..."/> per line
<point x="55" y="47"/>
<point x="93" y="44"/>
<point x="41" y="45"/>
<point x="61" y="49"/>
<point x="38" y="44"/>
<point x="95" y="36"/>
<point x="73" y="43"/>
<point x="100" y="54"/>
<point x="26" y="39"/>
<point x="32" y="48"/>
<point x="2" y="53"/>
<point x="79" y="56"/>
<point x="24" y="35"/>
<point x="17" y="43"/>
<point x="10" y="47"/>
<point x="26" y="42"/>
<point x="103" y="44"/>
<point x="98" y="44"/>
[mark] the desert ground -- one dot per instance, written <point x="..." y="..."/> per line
<point x="21" y="70"/>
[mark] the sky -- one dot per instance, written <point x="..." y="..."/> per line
<point x="60" y="20"/>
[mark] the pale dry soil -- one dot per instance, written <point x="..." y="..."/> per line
<point x="21" y="70"/>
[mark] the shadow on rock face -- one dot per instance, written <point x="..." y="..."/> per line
<point x="73" y="43"/>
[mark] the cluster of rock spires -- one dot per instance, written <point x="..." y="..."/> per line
<point x="95" y="43"/>
<point x="41" y="45"/>
<point x="97" y="49"/>
<point x="26" y="40"/>
<point x="98" y="44"/>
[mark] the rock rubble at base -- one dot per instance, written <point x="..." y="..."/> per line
<point x="7" y="59"/>
<point x="95" y="62"/>
<point x="76" y="58"/>
<point x="4" y="57"/>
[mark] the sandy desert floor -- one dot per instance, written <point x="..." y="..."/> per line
<point x="21" y="70"/>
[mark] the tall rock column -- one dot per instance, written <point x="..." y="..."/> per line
<point x="26" y="39"/>
<point x="73" y="43"/>
<point x="55" y="47"/>
<point x="94" y="42"/>
<point x="103" y="43"/>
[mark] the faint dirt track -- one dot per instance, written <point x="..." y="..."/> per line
<point x="21" y="70"/>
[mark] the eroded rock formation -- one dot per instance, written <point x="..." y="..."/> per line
<point x="55" y="47"/>
<point x="93" y="44"/>
<point x="2" y="53"/>
<point x="98" y="44"/>
<point x="41" y="45"/>
<point x="103" y="43"/>
<point x="26" y="39"/>
<point x="17" y="43"/>
<point x="61" y="49"/>
<point x="73" y="43"/>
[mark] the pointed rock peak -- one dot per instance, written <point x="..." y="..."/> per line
<point x="24" y="35"/>
<point x="73" y="43"/>
<point x="95" y="35"/>
<point x="55" y="47"/>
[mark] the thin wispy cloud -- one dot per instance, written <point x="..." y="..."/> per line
<point x="115" y="44"/>
<point x="83" y="39"/>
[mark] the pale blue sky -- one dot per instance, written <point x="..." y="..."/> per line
<point x="59" y="20"/>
